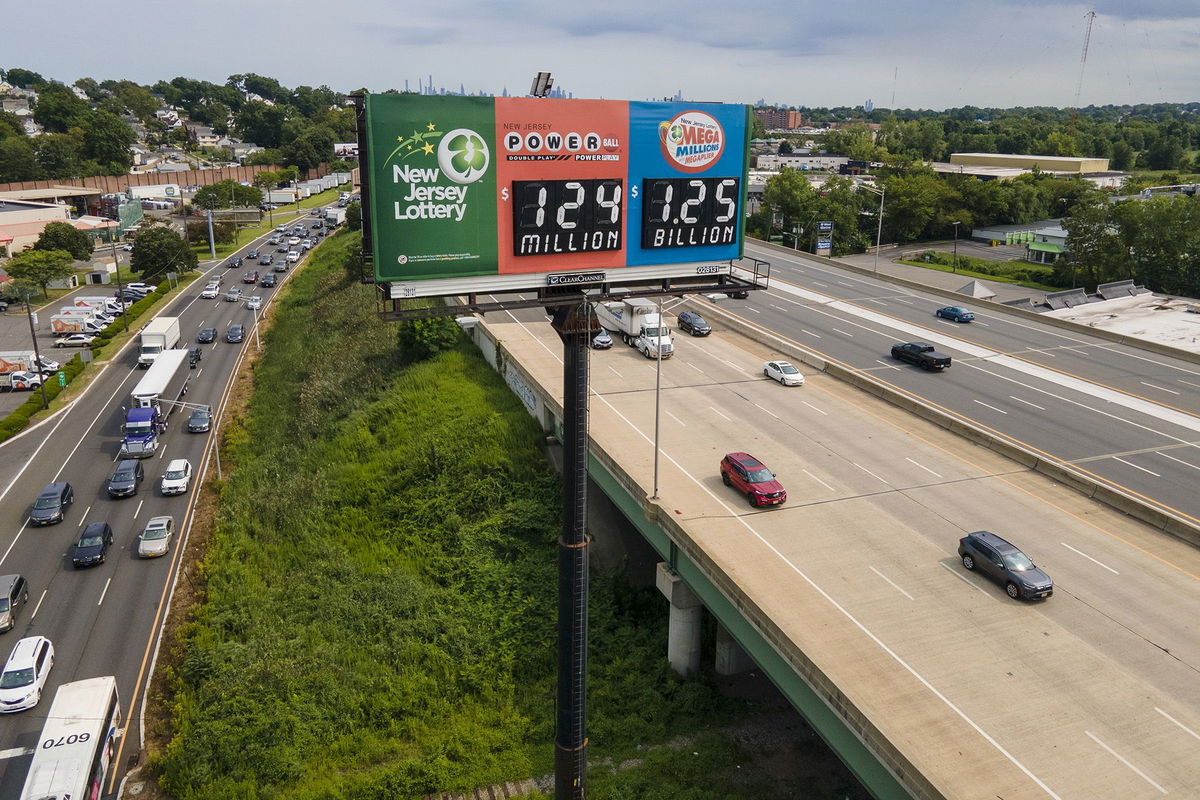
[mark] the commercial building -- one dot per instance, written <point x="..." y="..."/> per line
<point x="1057" y="164"/>
<point x="22" y="221"/>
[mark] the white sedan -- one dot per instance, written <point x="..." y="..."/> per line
<point x="210" y="292"/>
<point x="177" y="477"/>
<point x="254" y="303"/>
<point x="783" y="372"/>
<point x="75" y="340"/>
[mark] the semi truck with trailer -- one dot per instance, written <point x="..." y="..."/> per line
<point x="636" y="321"/>
<point x="153" y="399"/>
<point x="161" y="334"/>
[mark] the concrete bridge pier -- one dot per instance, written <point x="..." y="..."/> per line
<point x="687" y="617"/>
<point x="731" y="659"/>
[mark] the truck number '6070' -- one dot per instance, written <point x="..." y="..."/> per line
<point x="60" y="741"/>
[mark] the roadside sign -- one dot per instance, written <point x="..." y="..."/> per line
<point x="825" y="226"/>
<point x="62" y="378"/>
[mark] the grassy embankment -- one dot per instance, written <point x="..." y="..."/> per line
<point x="378" y="600"/>
<point x="1020" y="273"/>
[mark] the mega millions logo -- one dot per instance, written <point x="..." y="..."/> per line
<point x="692" y="141"/>
<point x="440" y="167"/>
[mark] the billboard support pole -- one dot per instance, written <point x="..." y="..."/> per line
<point x="573" y="323"/>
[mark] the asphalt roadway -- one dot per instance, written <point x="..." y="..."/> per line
<point x="106" y="620"/>
<point x="1125" y="415"/>
<point x="1088" y="694"/>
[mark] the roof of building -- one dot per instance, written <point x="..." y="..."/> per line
<point x="53" y="193"/>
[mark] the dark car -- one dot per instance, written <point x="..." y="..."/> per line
<point x="264" y="260"/>
<point x="1004" y="563"/>
<point x="267" y="281"/>
<point x="283" y="248"/>
<point x="234" y="262"/>
<point x="200" y="421"/>
<point x="281" y="265"/>
<point x="253" y="253"/>
<point x="206" y="335"/>
<point x="693" y="323"/>
<point x="92" y="545"/>
<point x="956" y="313"/>
<point x="751" y="477"/>
<point x="250" y="277"/>
<point x="52" y="503"/>
<point x="126" y="478"/>
<point x="194" y="356"/>
<point x="234" y="334"/>
<point x="316" y="225"/>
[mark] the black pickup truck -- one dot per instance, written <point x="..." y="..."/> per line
<point x="921" y="354"/>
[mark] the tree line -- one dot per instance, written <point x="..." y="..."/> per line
<point x="90" y="137"/>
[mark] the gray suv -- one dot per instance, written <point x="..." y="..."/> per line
<point x="51" y="504"/>
<point x="14" y="593"/>
<point x="125" y="478"/>
<point x="1004" y="563"/>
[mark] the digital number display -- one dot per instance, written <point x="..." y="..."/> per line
<point x="579" y="216"/>
<point x="687" y="212"/>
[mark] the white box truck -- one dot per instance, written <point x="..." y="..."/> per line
<point x="162" y="333"/>
<point x="637" y="322"/>
<point x="63" y="324"/>
<point x="334" y="217"/>
<point x="109" y="305"/>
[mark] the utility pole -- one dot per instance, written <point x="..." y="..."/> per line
<point x="120" y="289"/>
<point x="37" y="355"/>
<point x="955" y="267"/>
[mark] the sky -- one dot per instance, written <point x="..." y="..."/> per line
<point x="932" y="54"/>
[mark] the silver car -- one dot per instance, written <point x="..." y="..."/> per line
<point x="155" y="538"/>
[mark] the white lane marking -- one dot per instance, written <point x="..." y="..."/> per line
<point x="728" y="363"/>
<point x="39" y="604"/>
<point x="752" y="308"/>
<point x="889" y="580"/>
<point x="872" y="474"/>
<point x="719" y="414"/>
<point x="886" y="364"/>
<point x="1135" y="466"/>
<point x="778" y="308"/>
<point x="677" y="419"/>
<point x="1177" y="722"/>
<point x="993" y="408"/>
<point x="873" y="300"/>
<point x="984" y="324"/>
<point x="810" y="333"/>
<point x="693" y="366"/>
<point x="106" y="584"/>
<point x="765" y="410"/>
<point x="1043" y="353"/>
<point x="818" y="480"/>
<point x="1026" y="402"/>
<point x="851" y="285"/>
<point x="1189" y="383"/>
<point x="963" y="578"/>
<point x="1089" y="558"/>
<point x="822" y="285"/>
<point x="1160" y="388"/>
<point x="139" y="509"/>
<point x="814" y="408"/>
<point x="902" y="300"/>
<point x="1181" y="461"/>
<point x="16" y="752"/>
<point x="828" y="306"/>
<point x="610" y="366"/>
<point x="842" y="332"/>
<point x="853" y="620"/>
<point x="922" y="466"/>
<point x="199" y="371"/>
<point x="83" y="519"/>
<point x="1125" y="761"/>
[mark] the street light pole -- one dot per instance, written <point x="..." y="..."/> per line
<point x="120" y="289"/>
<point x="879" y="224"/>
<point x="955" y="267"/>
<point x="37" y="355"/>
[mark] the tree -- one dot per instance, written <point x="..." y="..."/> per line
<point x="354" y="216"/>
<point x="65" y="236"/>
<point x="58" y="155"/>
<point x="107" y="139"/>
<point x="227" y="194"/>
<point x="341" y="165"/>
<point x="24" y="78"/>
<point x="301" y="153"/>
<point x="787" y="197"/>
<point x="41" y="267"/>
<point x="260" y="123"/>
<point x="17" y="160"/>
<point x="420" y="339"/>
<point x="1122" y="155"/>
<point x="10" y="125"/>
<point x="161" y="250"/>
<point x="58" y="109"/>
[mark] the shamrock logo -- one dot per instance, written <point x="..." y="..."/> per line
<point x="463" y="155"/>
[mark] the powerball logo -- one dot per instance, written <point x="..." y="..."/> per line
<point x="692" y="141"/>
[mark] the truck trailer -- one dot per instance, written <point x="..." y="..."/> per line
<point x="63" y="324"/>
<point x="153" y="399"/>
<point x="162" y="333"/>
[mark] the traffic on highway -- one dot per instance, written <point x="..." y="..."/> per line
<point x="99" y="500"/>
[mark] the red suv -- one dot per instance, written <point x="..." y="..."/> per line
<point x="752" y="478"/>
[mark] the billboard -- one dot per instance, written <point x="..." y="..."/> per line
<point x="345" y="149"/>
<point x="476" y="193"/>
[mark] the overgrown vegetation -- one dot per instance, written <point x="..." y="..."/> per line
<point x="1035" y="276"/>
<point x="378" y="618"/>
